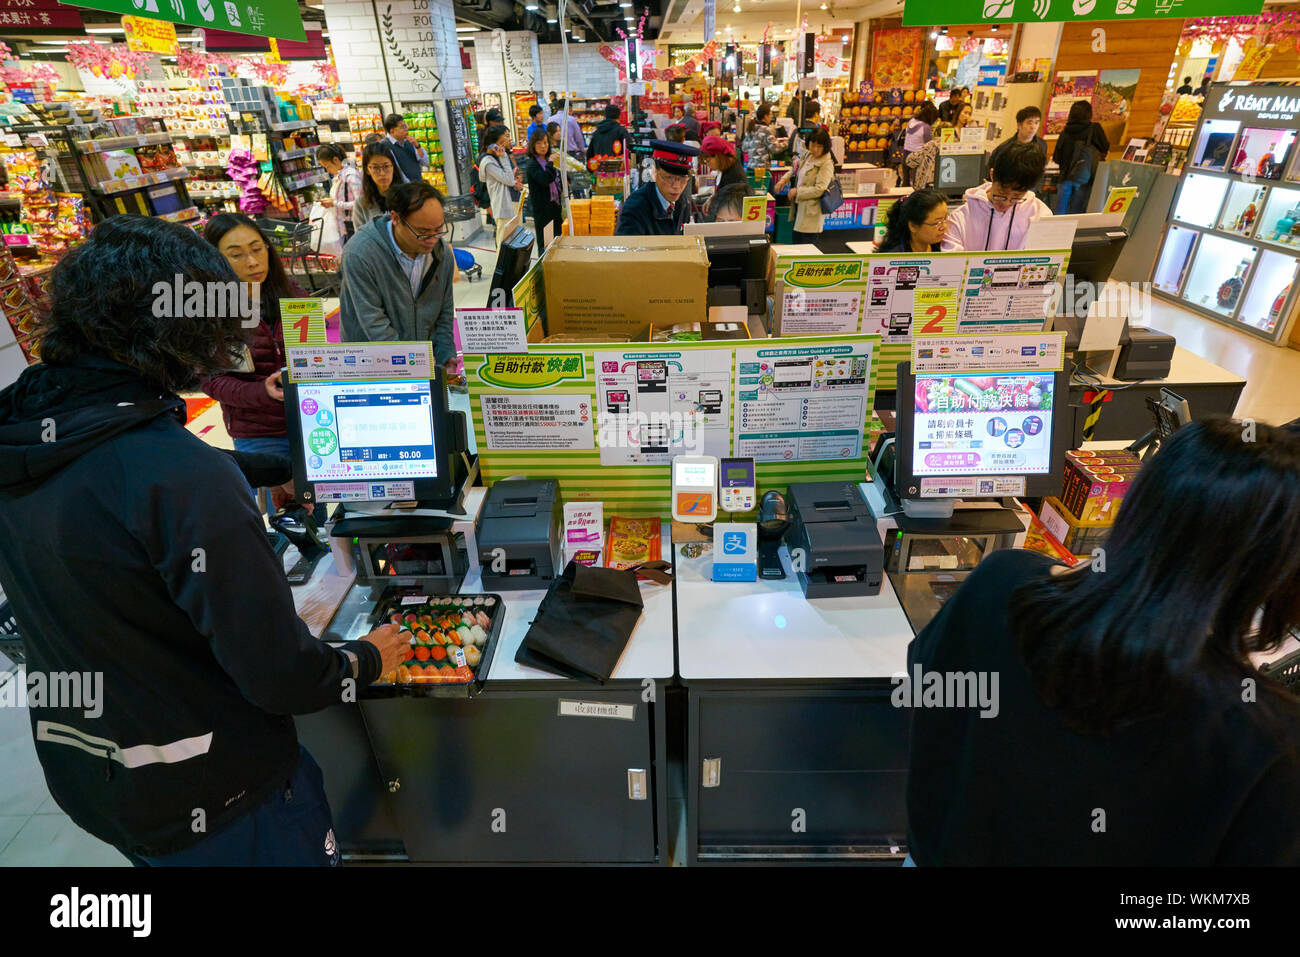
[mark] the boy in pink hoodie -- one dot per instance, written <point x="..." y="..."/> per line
<point x="997" y="215"/>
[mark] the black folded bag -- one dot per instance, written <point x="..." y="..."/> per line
<point x="583" y="624"/>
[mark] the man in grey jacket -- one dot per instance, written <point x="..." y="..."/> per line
<point x="397" y="275"/>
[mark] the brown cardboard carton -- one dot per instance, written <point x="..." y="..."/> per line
<point x="622" y="285"/>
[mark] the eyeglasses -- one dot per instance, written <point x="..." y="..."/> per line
<point x="425" y="237"/>
<point x="936" y="223"/>
<point x="254" y="252"/>
<point x="1013" y="196"/>
<point x="670" y="178"/>
<point x="379" y="168"/>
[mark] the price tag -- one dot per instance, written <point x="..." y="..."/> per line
<point x="1120" y="198"/>
<point x="302" y="322"/>
<point x="934" y="312"/>
<point x="754" y="209"/>
<point x="13" y="139"/>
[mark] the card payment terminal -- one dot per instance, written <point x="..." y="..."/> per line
<point x="738" y="486"/>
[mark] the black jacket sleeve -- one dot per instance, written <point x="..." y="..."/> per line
<point x="539" y="183"/>
<point x="1100" y="141"/>
<point x="206" y="539"/>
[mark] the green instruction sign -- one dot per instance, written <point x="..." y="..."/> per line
<point x="935" y="13"/>
<point x="263" y="18"/>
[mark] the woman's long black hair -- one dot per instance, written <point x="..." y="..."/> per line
<point x="1200" y="570"/>
<point x="276" y="285"/>
<point x="914" y="209"/>
<point x="369" y="189"/>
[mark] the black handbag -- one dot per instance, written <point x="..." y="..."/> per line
<point x="583" y="624"/>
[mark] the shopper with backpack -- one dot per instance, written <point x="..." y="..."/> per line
<point x="1080" y="147"/>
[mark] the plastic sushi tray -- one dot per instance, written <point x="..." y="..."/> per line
<point x="453" y="639"/>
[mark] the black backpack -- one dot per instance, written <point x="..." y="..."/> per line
<point x="478" y="188"/>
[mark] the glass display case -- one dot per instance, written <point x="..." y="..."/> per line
<point x="1232" y="246"/>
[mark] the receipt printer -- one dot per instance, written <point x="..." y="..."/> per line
<point x="1144" y="354"/>
<point x="518" y="533"/>
<point x="834" y="546"/>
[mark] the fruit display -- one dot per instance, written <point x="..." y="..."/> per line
<point x="868" y="123"/>
<point x="451" y="637"/>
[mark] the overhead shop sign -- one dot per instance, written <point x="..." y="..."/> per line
<point x="933" y="13"/>
<point x="145" y="35"/>
<point x="35" y="16"/>
<point x="263" y="18"/>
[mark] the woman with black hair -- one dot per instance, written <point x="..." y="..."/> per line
<point x="252" y="396"/>
<point x="1081" y="146"/>
<point x="345" y="186"/>
<point x="378" y="172"/>
<point x="497" y="169"/>
<point x="815" y="171"/>
<point x="542" y="174"/>
<point x="916" y="224"/>
<point x="760" y="143"/>
<point x="1128" y="724"/>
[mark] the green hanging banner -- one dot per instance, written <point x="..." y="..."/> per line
<point x="264" y="18"/>
<point x="935" y="13"/>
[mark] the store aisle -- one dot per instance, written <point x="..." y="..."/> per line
<point x="1271" y="373"/>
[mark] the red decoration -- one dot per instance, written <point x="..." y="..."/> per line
<point x="1264" y="28"/>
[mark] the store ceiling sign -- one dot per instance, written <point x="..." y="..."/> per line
<point x="937" y="13"/>
<point x="263" y="18"/>
<point x="35" y="16"/>
<point x="144" y="35"/>
<point x="223" y="41"/>
<point x="1260" y="103"/>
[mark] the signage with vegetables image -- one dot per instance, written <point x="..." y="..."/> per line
<point x="983" y="425"/>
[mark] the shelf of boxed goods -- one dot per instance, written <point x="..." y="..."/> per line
<point x="181" y="215"/>
<point x="123" y="142"/>
<point x="126" y="183"/>
<point x="295" y="154"/>
<point x="291" y="126"/>
<point x="302" y="182"/>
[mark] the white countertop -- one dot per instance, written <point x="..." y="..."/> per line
<point x="766" y="630"/>
<point x="649" y="652"/>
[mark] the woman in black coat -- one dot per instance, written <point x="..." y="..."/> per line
<point x="543" y="177"/>
<point x="1080" y="132"/>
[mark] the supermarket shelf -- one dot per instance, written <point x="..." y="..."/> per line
<point x="189" y="165"/>
<point x="123" y="142"/>
<point x="144" y="179"/>
<point x="196" y="134"/>
<point x="206" y="194"/>
<point x="181" y="215"/>
<point x="295" y="154"/>
<point x="309" y="180"/>
<point x="295" y="125"/>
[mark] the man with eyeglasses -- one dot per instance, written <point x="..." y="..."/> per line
<point x="397" y="275"/>
<point x="997" y="214"/>
<point x="660" y="208"/>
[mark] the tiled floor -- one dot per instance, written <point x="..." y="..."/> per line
<point x="33" y="831"/>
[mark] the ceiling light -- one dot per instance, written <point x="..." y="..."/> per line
<point x="551" y="20"/>
<point x="62" y="43"/>
<point x="994" y="28"/>
<point x="736" y="8"/>
<point x="188" y="39"/>
<point x="625" y="5"/>
<point x="629" y="19"/>
<point x="467" y="29"/>
<point x="105" y="30"/>
<point x="531" y="8"/>
<point x="943" y="30"/>
<point x="934" y="34"/>
<point x="823" y="6"/>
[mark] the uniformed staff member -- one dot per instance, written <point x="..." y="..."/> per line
<point x="662" y="207"/>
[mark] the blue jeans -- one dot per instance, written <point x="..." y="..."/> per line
<point x="1072" y="198"/>
<point x="292" y="828"/>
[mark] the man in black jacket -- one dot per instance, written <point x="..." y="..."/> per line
<point x="661" y="207"/>
<point x="133" y="551"/>
<point x="607" y="133"/>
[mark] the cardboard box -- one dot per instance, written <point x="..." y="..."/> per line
<point x="622" y="285"/>
<point x="1080" y="538"/>
<point x="1093" y="492"/>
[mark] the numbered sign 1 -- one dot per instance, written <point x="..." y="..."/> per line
<point x="302" y="322"/>
<point x="934" y="312"/>
<point x="1120" y="198"/>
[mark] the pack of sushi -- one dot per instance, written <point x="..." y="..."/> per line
<point x="451" y="637"/>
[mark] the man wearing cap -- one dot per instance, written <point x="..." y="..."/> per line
<point x="660" y="208"/>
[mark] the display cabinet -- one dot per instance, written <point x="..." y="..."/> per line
<point x="1230" y="250"/>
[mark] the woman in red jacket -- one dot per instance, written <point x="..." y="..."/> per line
<point x="252" y="399"/>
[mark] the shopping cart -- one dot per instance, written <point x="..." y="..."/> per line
<point x="292" y="239"/>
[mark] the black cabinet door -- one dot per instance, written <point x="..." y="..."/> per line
<point x="505" y="777"/>
<point x="821" y="769"/>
